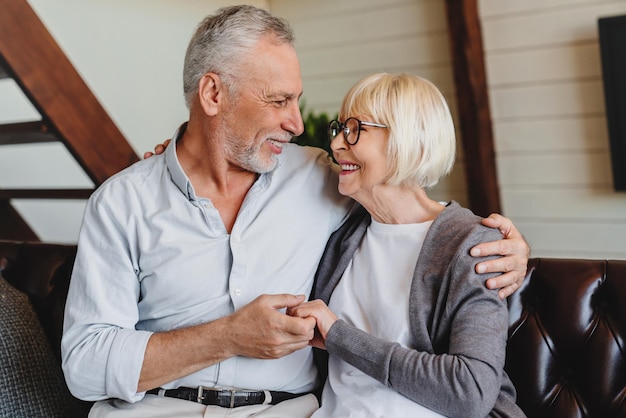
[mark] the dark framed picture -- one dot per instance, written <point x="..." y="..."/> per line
<point x="612" y="36"/>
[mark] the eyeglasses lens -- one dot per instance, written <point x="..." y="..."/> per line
<point x="351" y="130"/>
<point x="333" y="129"/>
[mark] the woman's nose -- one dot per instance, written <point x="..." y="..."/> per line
<point x="338" y="142"/>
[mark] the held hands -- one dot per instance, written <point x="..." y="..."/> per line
<point x="515" y="251"/>
<point x="261" y="330"/>
<point x="324" y="317"/>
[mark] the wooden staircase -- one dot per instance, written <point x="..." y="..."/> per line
<point x="70" y="113"/>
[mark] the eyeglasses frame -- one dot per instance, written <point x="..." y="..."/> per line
<point x="343" y="126"/>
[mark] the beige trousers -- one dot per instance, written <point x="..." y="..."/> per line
<point x="153" y="406"/>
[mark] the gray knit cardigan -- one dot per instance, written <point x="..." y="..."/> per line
<point x="458" y="326"/>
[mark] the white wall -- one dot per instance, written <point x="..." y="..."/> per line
<point x="130" y="53"/>
<point x="547" y="102"/>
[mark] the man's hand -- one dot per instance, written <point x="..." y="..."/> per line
<point x="261" y="330"/>
<point x="258" y="330"/>
<point x="324" y="317"/>
<point x="159" y="149"/>
<point x="515" y="251"/>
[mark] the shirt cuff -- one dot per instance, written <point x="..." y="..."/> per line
<point x="125" y="363"/>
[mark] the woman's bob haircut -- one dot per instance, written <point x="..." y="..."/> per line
<point x="421" y="144"/>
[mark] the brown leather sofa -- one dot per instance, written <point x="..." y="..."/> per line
<point x="566" y="352"/>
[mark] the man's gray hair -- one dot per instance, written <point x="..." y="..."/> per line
<point x="222" y="40"/>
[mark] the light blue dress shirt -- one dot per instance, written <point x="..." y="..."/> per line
<point x="152" y="256"/>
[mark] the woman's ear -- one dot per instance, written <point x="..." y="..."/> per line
<point x="210" y="93"/>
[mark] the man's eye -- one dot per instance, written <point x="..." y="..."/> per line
<point x="280" y="103"/>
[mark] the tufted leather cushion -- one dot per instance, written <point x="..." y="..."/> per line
<point x="566" y="346"/>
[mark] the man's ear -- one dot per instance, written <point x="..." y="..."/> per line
<point x="210" y="93"/>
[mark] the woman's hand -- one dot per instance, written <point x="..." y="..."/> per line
<point x="512" y="265"/>
<point x="324" y="317"/>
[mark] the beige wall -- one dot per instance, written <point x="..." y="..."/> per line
<point x="340" y="41"/>
<point x="544" y="75"/>
<point x="547" y="101"/>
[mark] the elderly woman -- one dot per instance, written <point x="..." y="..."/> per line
<point x="411" y="329"/>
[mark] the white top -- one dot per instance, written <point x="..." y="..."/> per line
<point x="373" y="296"/>
<point x="153" y="256"/>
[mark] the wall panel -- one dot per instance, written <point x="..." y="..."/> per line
<point x="556" y="134"/>
<point x="554" y="169"/>
<point x="547" y="103"/>
<point x="572" y="204"/>
<point x="563" y="62"/>
<point x="553" y="238"/>
<point x="546" y="27"/>
<point x="490" y="8"/>
<point x="542" y="100"/>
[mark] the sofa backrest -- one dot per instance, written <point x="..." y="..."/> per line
<point x="42" y="271"/>
<point x="566" y="339"/>
<point x="34" y="280"/>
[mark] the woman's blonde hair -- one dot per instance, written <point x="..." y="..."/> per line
<point x="422" y="144"/>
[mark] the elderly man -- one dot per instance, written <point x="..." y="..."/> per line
<point x="187" y="260"/>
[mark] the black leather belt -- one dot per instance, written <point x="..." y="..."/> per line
<point x="225" y="398"/>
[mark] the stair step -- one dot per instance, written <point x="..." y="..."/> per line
<point x="13" y="226"/>
<point x="82" y="194"/>
<point x="26" y="133"/>
<point x="3" y="71"/>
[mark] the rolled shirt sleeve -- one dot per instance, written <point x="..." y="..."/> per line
<point x="101" y="349"/>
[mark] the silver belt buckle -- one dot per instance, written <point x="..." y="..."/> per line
<point x="232" y="398"/>
<point x="200" y="394"/>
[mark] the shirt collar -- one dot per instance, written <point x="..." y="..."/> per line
<point x="179" y="177"/>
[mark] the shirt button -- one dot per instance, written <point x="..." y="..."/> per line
<point x="237" y="292"/>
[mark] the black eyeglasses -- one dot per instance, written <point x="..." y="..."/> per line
<point x="351" y="129"/>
